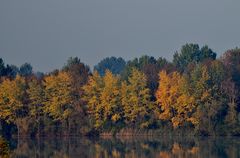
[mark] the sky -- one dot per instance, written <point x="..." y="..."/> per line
<point x="46" y="33"/>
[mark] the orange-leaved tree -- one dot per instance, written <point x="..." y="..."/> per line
<point x="176" y="105"/>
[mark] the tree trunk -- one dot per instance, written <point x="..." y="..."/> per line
<point x="69" y="127"/>
<point x="1" y="126"/>
<point x="18" y="135"/>
<point x="44" y="124"/>
<point x="38" y="147"/>
<point x="69" y="146"/>
<point x="18" y="130"/>
<point x="38" y="127"/>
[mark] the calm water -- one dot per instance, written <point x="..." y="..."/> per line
<point x="127" y="147"/>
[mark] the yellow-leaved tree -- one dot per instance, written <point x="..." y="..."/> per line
<point x="135" y="99"/>
<point x="58" y="97"/>
<point x="110" y="98"/>
<point x="13" y="107"/>
<point x="103" y="100"/>
<point x="36" y="99"/>
<point x="92" y="93"/>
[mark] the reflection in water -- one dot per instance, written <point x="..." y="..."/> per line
<point x="127" y="147"/>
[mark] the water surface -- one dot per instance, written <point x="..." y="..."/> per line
<point x="141" y="147"/>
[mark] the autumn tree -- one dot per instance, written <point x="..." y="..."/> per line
<point x="13" y="108"/>
<point x="103" y="100"/>
<point x="176" y="104"/>
<point x="150" y="67"/>
<point x="92" y="94"/>
<point x="36" y="100"/>
<point x="136" y="102"/>
<point x="110" y="99"/>
<point x="58" y="97"/>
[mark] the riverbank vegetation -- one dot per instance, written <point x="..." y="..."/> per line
<point x="195" y="92"/>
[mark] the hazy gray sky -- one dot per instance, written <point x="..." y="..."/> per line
<point x="47" y="32"/>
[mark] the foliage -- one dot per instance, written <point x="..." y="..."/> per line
<point x="191" y="53"/>
<point x="78" y="73"/>
<point x="176" y="105"/>
<point x="12" y="99"/>
<point x="25" y="69"/>
<point x="113" y="64"/>
<point x="2" y="67"/>
<point x="36" y="100"/>
<point x="10" y="71"/>
<point x="103" y="99"/>
<point x="136" y="100"/>
<point x="58" y="96"/>
<point x="13" y="108"/>
<point x="194" y="92"/>
<point x="92" y="91"/>
<point x="150" y="67"/>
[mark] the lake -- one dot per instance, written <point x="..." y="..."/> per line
<point x="127" y="147"/>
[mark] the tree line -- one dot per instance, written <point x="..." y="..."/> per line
<point x="195" y="92"/>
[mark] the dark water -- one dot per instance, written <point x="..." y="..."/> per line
<point x="141" y="147"/>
